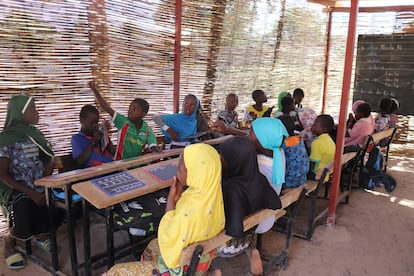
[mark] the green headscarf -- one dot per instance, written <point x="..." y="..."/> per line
<point x="279" y="100"/>
<point x="16" y="129"/>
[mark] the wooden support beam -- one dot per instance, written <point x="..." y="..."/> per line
<point x="328" y="3"/>
<point x="371" y="9"/>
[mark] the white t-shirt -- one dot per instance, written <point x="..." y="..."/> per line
<point x="265" y="167"/>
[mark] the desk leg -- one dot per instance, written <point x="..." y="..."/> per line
<point x="86" y="237"/>
<point x="110" y="236"/>
<point x="52" y="230"/>
<point x="71" y="231"/>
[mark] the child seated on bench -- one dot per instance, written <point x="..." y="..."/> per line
<point x="135" y="135"/>
<point x="359" y="127"/>
<point x="267" y="134"/>
<point x="87" y="150"/>
<point x="194" y="212"/>
<point x="245" y="190"/>
<point x="323" y="148"/>
<point x="297" y="162"/>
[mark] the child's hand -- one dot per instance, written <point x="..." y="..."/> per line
<point x="156" y="148"/>
<point x="96" y="136"/>
<point x="219" y="126"/>
<point x="92" y="86"/>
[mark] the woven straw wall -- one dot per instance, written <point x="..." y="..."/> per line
<point x="51" y="49"/>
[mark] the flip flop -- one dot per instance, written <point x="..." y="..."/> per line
<point x="15" y="261"/>
<point x="44" y="245"/>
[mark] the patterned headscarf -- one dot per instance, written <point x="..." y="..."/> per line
<point x="16" y="129"/>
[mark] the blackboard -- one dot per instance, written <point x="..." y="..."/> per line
<point x="117" y="183"/>
<point x="385" y="68"/>
<point x="163" y="173"/>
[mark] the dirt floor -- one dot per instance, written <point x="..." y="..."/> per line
<point x="373" y="235"/>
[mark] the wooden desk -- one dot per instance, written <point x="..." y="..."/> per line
<point x="60" y="180"/>
<point x="94" y="195"/>
<point x="68" y="178"/>
<point x="71" y="177"/>
<point x="100" y="199"/>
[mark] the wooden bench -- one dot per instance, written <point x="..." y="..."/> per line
<point x="191" y="254"/>
<point x="313" y="188"/>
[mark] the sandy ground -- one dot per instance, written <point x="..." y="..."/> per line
<point x="373" y="235"/>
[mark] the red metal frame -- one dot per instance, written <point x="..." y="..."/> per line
<point x="346" y="83"/>
<point x="327" y="53"/>
<point x="177" y="54"/>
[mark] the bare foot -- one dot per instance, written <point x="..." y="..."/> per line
<point x="256" y="266"/>
<point x="9" y="243"/>
<point x="215" y="272"/>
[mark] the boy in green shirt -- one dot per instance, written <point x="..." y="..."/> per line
<point x="134" y="134"/>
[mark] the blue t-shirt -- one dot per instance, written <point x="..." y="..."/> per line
<point x="79" y="143"/>
<point x="297" y="165"/>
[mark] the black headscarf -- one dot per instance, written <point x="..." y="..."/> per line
<point x="245" y="189"/>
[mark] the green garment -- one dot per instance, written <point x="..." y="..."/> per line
<point x="279" y="100"/>
<point x="17" y="130"/>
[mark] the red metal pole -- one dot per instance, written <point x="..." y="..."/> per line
<point x="177" y="54"/>
<point x="327" y="51"/>
<point x="346" y="83"/>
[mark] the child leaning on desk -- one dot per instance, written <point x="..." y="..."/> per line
<point x="134" y="134"/>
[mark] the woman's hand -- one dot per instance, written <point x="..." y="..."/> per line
<point x="38" y="198"/>
<point x="174" y="134"/>
<point x="174" y="195"/>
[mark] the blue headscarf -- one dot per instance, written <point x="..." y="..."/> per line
<point x="184" y="124"/>
<point x="270" y="133"/>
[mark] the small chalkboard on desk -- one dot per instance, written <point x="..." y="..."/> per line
<point x="163" y="173"/>
<point x="117" y="183"/>
<point x="385" y="68"/>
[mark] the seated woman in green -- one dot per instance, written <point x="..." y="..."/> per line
<point x="194" y="212"/>
<point x="25" y="155"/>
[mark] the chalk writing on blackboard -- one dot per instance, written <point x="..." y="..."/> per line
<point x="163" y="173"/>
<point x="384" y="68"/>
<point x="117" y="183"/>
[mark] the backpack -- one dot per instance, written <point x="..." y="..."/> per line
<point x="371" y="175"/>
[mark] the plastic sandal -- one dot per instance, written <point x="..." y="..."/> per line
<point x="15" y="261"/>
<point x="44" y="245"/>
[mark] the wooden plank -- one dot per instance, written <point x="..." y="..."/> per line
<point x="329" y="3"/>
<point x="62" y="179"/>
<point x="222" y="238"/>
<point x="373" y="9"/>
<point x="291" y="197"/>
<point x="376" y="137"/>
<point x="250" y="221"/>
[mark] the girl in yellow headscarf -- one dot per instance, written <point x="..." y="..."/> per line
<point x="194" y="212"/>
